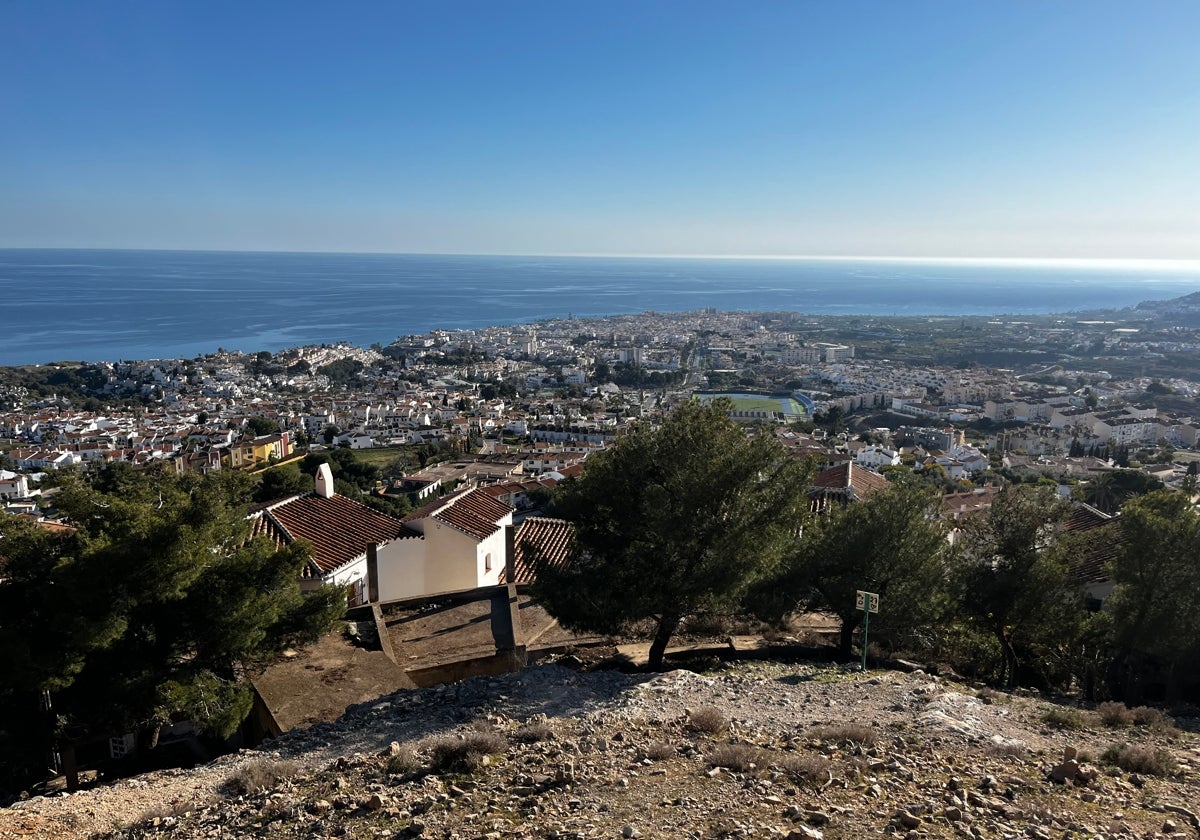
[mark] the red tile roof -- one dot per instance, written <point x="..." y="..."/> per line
<point x="846" y="480"/>
<point x="550" y="539"/>
<point x="476" y="513"/>
<point x="1100" y="548"/>
<point x="338" y="528"/>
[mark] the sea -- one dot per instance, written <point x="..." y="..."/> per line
<point x="110" y="305"/>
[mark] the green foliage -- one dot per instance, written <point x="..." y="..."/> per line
<point x="1109" y="491"/>
<point x="281" y="482"/>
<point x="1156" y="577"/>
<point x="342" y="372"/>
<point x="1012" y="572"/>
<point x="154" y="608"/>
<point x="259" y="426"/>
<point x="893" y="544"/>
<point x="674" y="522"/>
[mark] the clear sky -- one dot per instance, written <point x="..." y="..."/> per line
<point x="955" y="128"/>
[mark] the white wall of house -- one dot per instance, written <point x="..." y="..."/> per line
<point x="402" y="570"/>
<point x="450" y="558"/>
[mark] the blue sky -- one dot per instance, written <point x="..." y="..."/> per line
<point x="956" y="129"/>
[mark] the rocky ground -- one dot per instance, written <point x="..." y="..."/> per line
<point x="761" y="749"/>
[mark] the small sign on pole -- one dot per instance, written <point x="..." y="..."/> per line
<point x="868" y="602"/>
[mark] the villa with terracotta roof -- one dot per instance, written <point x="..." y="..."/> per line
<point x="452" y="544"/>
<point x="843" y="484"/>
<point x="339" y="531"/>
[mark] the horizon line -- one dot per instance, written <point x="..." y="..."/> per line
<point x="1081" y="262"/>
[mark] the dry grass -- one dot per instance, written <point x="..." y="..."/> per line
<point x="708" y="719"/>
<point x="1135" y="758"/>
<point x="990" y="696"/>
<point x="805" y="768"/>
<point x="1114" y="714"/>
<point x="737" y="757"/>
<point x="535" y="732"/>
<point x="659" y="751"/>
<point x="856" y="733"/>
<point x="1155" y="719"/>
<point x="465" y="752"/>
<point x="1004" y="750"/>
<point x="262" y="774"/>
<point x="1062" y="718"/>
<point x="403" y="761"/>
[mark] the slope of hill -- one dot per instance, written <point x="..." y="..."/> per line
<point x="754" y="749"/>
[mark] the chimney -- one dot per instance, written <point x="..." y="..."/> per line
<point x="324" y="482"/>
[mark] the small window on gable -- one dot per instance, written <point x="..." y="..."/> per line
<point x="487" y="562"/>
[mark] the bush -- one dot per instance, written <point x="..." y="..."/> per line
<point x="854" y="732"/>
<point x="736" y="757"/>
<point x="660" y="751"/>
<point x="805" y="768"/>
<point x="262" y="774"/>
<point x="1136" y="758"/>
<point x="535" y="732"/>
<point x="1153" y="718"/>
<point x="465" y="752"/>
<point x="1114" y="714"/>
<point x="708" y="719"/>
<point x="1063" y="718"/>
<point x="403" y="762"/>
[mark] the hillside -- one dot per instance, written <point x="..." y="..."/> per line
<point x="760" y="749"/>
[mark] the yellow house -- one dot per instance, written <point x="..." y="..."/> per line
<point x="260" y="450"/>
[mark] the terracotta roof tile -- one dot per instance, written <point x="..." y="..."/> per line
<point x="477" y="514"/>
<point x="848" y="481"/>
<point x="551" y="539"/>
<point x="339" y="529"/>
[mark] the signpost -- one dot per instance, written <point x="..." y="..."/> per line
<point x="868" y="602"/>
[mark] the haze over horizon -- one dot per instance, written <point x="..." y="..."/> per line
<point x="870" y="129"/>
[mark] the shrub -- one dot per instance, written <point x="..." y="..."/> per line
<point x="1136" y="758"/>
<point x="534" y="732"/>
<point x="805" y="768"/>
<point x="1153" y="718"/>
<point x="857" y="733"/>
<point x="1063" y="718"/>
<point x="1114" y="714"/>
<point x="660" y="751"/>
<point x="403" y="762"/>
<point x="990" y="696"/>
<point x="262" y="774"/>
<point x="465" y="752"/>
<point x="1005" y="749"/>
<point x="708" y="719"/>
<point x="736" y="757"/>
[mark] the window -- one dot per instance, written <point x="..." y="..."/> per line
<point x="487" y="562"/>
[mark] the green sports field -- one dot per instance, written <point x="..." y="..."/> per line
<point x="761" y="402"/>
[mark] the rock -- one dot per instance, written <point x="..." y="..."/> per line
<point x="953" y="814"/>
<point x="374" y="802"/>
<point x="1169" y="826"/>
<point x="805" y="833"/>
<point x="630" y="832"/>
<point x="1065" y="772"/>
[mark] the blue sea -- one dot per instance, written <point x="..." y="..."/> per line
<point x="111" y="305"/>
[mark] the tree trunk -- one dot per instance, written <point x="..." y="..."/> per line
<point x="1010" y="660"/>
<point x="846" y="638"/>
<point x="666" y="628"/>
